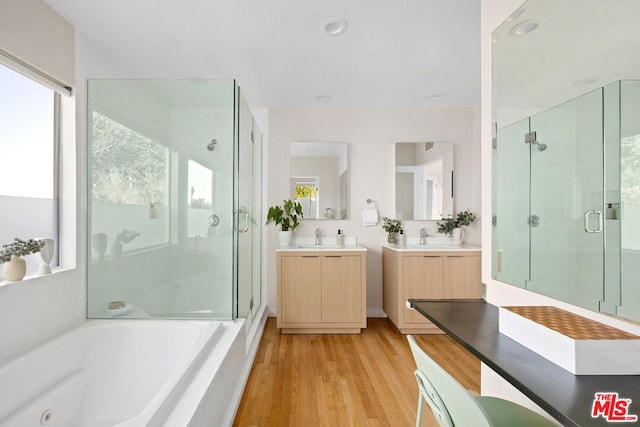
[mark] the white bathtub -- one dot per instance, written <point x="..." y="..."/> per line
<point x="106" y="373"/>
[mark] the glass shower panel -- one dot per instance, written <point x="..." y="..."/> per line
<point x="630" y="198"/>
<point x="566" y="218"/>
<point x="244" y="210"/>
<point x="160" y="198"/>
<point x="256" y="223"/>
<point x="511" y="232"/>
<point x="611" y="116"/>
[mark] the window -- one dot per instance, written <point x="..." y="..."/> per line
<point x="200" y="203"/>
<point x="28" y="147"/>
<point x="630" y="191"/>
<point x="128" y="167"/>
<point x="130" y="175"/>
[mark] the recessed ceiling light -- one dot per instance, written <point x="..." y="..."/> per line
<point x="335" y="26"/>
<point x="323" y="98"/>
<point x="435" y="97"/>
<point x="585" y="82"/>
<point x="523" y="28"/>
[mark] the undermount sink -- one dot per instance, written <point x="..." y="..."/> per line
<point x="431" y="247"/>
<point x="311" y="246"/>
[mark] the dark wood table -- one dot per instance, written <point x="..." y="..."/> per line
<point x="566" y="397"/>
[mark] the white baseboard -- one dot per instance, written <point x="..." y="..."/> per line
<point x="376" y="312"/>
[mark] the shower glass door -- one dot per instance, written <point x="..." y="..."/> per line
<point x="624" y="216"/>
<point x="511" y="205"/>
<point x="248" y="212"/>
<point x="244" y="208"/>
<point x="566" y="217"/>
<point x="256" y="223"/>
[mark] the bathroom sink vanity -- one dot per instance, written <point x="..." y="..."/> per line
<point x="427" y="272"/>
<point x="321" y="289"/>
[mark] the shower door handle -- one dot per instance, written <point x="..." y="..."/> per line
<point x="245" y="228"/>
<point x="587" y="214"/>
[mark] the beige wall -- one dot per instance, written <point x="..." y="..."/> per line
<point x="370" y="133"/>
<point x="34" y="33"/>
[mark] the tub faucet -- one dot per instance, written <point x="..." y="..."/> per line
<point x="318" y="236"/>
<point x="423" y="236"/>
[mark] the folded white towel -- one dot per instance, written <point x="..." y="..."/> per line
<point x="370" y="217"/>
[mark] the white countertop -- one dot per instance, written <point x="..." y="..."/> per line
<point x="436" y="247"/>
<point x="326" y="247"/>
<point x="307" y="244"/>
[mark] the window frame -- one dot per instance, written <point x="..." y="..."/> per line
<point x="57" y="89"/>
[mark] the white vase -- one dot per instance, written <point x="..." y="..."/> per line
<point x="116" y="249"/>
<point x="284" y="238"/>
<point x="99" y="245"/>
<point x="457" y="236"/>
<point x="46" y="255"/>
<point x="15" y="269"/>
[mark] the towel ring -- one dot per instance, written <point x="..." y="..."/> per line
<point x="369" y="201"/>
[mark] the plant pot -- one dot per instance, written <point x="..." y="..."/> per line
<point x="99" y="245"/>
<point x="116" y="249"/>
<point x="392" y="238"/>
<point x="15" y="269"/>
<point x="457" y="236"/>
<point x="284" y="238"/>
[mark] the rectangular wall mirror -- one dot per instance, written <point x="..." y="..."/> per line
<point x="319" y="178"/>
<point x="424" y="180"/>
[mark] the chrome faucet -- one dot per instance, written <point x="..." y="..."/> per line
<point x="423" y="236"/>
<point x="318" y="236"/>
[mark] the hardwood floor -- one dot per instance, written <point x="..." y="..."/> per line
<point x="345" y="380"/>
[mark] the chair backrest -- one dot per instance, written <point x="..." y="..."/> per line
<point x="431" y="396"/>
<point x="460" y="407"/>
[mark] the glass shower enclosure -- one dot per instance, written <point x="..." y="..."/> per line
<point x="566" y="198"/>
<point x="174" y="200"/>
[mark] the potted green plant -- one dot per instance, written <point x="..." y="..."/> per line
<point x="392" y="227"/>
<point x="15" y="267"/>
<point x="452" y="226"/>
<point x="286" y="216"/>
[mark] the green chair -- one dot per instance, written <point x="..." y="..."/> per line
<point x="452" y="405"/>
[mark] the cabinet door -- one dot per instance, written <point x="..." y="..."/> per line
<point x="300" y="293"/>
<point x="422" y="279"/>
<point x="462" y="277"/>
<point x="341" y="289"/>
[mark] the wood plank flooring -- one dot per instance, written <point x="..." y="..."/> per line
<point x="345" y="380"/>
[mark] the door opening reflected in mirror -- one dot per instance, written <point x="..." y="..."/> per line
<point x="424" y="180"/>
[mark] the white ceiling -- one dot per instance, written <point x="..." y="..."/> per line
<point x="579" y="46"/>
<point x="395" y="52"/>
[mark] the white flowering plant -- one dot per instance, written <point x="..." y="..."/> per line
<point x="20" y="247"/>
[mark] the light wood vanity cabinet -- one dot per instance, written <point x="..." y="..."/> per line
<point x="322" y="291"/>
<point x="426" y="275"/>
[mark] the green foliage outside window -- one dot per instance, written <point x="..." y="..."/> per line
<point x="127" y="167"/>
<point x="305" y="191"/>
